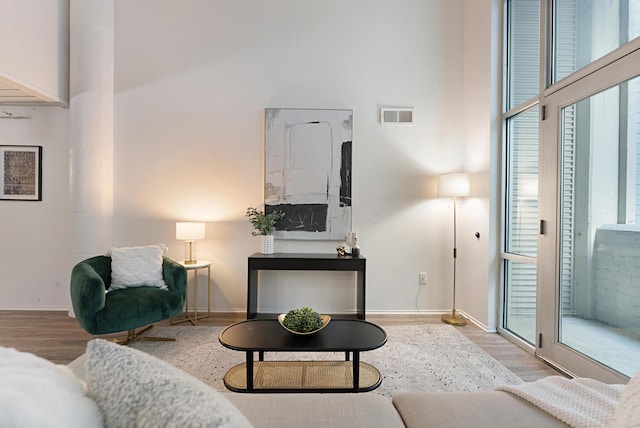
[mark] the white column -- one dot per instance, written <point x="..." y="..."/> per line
<point x="91" y="127"/>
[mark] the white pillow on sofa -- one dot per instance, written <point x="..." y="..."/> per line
<point x="137" y="267"/>
<point x="35" y="392"/>
<point x="135" y="389"/>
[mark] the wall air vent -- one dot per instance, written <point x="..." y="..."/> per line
<point x="396" y="116"/>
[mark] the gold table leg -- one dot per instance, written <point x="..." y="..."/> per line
<point x="194" y="319"/>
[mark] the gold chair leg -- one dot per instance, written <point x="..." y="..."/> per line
<point x="132" y="336"/>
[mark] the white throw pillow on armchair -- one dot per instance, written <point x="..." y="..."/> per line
<point x="137" y="266"/>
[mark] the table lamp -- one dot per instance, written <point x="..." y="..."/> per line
<point x="453" y="185"/>
<point x="189" y="232"/>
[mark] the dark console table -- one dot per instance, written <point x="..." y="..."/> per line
<point x="302" y="261"/>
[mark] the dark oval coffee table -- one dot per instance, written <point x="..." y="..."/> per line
<point x="340" y="335"/>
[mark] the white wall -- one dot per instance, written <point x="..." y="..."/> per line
<point x="476" y="293"/>
<point x="192" y="80"/>
<point x="34" y="268"/>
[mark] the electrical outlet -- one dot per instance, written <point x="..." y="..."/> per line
<point x="422" y="278"/>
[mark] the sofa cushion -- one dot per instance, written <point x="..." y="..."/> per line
<point x="137" y="267"/>
<point x="317" y="410"/>
<point x="34" y="392"/>
<point x="134" y="389"/>
<point x="470" y="409"/>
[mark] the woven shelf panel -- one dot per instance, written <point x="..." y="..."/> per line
<point x="302" y="375"/>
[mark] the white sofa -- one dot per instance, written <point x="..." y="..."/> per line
<point x="117" y="386"/>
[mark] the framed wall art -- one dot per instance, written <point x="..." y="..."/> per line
<point x="308" y="171"/>
<point x="21" y="173"/>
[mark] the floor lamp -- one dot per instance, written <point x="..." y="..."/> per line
<point x="453" y="185"/>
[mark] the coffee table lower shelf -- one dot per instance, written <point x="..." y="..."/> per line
<point x="302" y="376"/>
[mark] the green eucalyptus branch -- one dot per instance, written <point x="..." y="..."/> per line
<point x="263" y="223"/>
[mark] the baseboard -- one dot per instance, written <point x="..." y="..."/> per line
<point x="479" y="324"/>
<point x="39" y="309"/>
<point x="431" y="312"/>
<point x="243" y="311"/>
<point x="369" y="312"/>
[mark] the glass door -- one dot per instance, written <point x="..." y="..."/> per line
<point x="589" y="247"/>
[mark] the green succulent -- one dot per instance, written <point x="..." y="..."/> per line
<point x="302" y="320"/>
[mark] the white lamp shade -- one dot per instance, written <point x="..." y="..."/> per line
<point x="189" y="230"/>
<point x="453" y="185"/>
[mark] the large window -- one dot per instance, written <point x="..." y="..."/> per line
<point x="523" y="52"/>
<point x="587" y="30"/>
<point x="571" y="178"/>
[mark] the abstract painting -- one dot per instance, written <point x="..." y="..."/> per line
<point x="21" y="172"/>
<point x="308" y="171"/>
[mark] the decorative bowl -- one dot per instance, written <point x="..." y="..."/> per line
<point x="325" y="321"/>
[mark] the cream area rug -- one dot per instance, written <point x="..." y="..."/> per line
<point x="415" y="358"/>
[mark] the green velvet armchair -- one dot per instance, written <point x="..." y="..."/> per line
<point x="127" y="309"/>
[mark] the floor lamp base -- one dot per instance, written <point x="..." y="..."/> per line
<point x="454" y="319"/>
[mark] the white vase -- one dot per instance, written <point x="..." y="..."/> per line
<point x="267" y="244"/>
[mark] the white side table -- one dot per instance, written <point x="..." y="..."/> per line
<point x="200" y="264"/>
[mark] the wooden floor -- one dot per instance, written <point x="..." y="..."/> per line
<point x="57" y="337"/>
